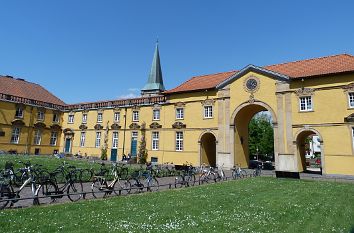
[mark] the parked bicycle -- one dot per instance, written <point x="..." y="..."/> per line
<point x="258" y="170"/>
<point x="101" y="188"/>
<point x="143" y="179"/>
<point x="207" y="175"/>
<point x="238" y="172"/>
<point x="186" y="178"/>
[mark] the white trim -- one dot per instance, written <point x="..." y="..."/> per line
<point x="15" y="135"/>
<point x="179" y="141"/>
<point x="155" y="140"/>
<point x="179" y="113"/>
<point x="351" y="99"/>
<point x="115" y="140"/>
<point x="82" y="139"/>
<point x="307" y="103"/>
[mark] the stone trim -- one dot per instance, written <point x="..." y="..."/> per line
<point x="179" y="125"/>
<point x="301" y="92"/>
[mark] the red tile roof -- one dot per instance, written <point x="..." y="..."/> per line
<point x="298" y="69"/>
<point x="24" y="89"/>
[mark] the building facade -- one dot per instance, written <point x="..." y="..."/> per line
<point x="205" y="119"/>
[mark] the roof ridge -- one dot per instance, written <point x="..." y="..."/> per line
<point x="309" y="59"/>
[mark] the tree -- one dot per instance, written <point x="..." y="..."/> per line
<point x="261" y="137"/>
<point x="143" y="152"/>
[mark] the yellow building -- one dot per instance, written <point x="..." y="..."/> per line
<point x="30" y="117"/>
<point x="205" y="119"/>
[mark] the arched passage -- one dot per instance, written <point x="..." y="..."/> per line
<point x="309" y="151"/>
<point x="208" y="149"/>
<point x="241" y="118"/>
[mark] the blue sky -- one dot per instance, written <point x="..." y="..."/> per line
<point x="97" y="50"/>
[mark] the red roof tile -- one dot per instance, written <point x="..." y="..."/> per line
<point x="24" y="89"/>
<point x="297" y="69"/>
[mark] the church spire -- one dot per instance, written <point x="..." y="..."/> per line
<point x="154" y="86"/>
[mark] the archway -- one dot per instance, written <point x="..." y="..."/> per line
<point x="309" y="151"/>
<point x="241" y="118"/>
<point x="208" y="149"/>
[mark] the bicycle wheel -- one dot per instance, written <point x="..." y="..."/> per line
<point x="203" y="178"/>
<point x="243" y="174"/>
<point x="190" y="180"/>
<point x="86" y="175"/>
<point x="6" y="193"/>
<point x="234" y="174"/>
<point x="136" y="185"/>
<point x="47" y="193"/>
<point x="153" y="185"/>
<point x="98" y="187"/>
<point x="212" y="177"/>
<point x="178" y="181"/>
<point x="74" y="191"/>
<point x="123" y="188"/>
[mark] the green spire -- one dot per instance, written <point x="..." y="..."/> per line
<point x="155" y="82"/>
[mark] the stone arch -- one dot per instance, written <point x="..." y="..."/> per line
<point x="208" y="141"/>
<point x="240" y="119"/>
<point x="299" y="137"/>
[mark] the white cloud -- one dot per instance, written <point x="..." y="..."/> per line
<point x="132" y="93"/>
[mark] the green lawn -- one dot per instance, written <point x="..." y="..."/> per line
<point x="249" y="205"/>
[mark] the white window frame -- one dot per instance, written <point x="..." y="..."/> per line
<point x="82" y="139"/>
<point x="19" y="112"/>
<point x="351" y="99"/>
<point x="40" y="116"/>
<point x="116" y="116"/>
<point x="55" y="117"/>
<point x="37" y="137"/>
<point x="179" y="113"/>
<point x="156" y="114"/>
<point x="179" y="141"/>
<point x="98" y="140"/>
<point x="306" y="102"/>
<point x="115" y="139"/>
<point x="155" y="138"/>
<point x="99" y="117"/>
<point x="15" y="135"/>
<point x="135" y="135"/>
<point x="70" y="118"/>
<point x="135" y="115"/>
<point x="84" y="118"/>
<point x="208" y="111"/>
<point x="53" y="138"/>
<point x="352" y="137"/>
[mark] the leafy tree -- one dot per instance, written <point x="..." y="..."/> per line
<point x="261" y="137"/>
<point x="143" y="152"/>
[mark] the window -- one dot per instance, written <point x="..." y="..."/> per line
<point x="155" y="140"/>
<point x="156" y="114"/>
<point x="15" y="137"/>
<point x="351" y="99"/>
<point x="115" y="140"/>
<point x="19" y="112"/>
<point x="84" y="118"/>
<point x="179" y="141"/>
<point x="55" y="117"/>
<point x="40" y="115"/>
<point x="135" y="135"/>
<point x="179" y="113"/>
<point x="99" y="117"/>
<point x="98" y="139"/>
<point x="208" y="111"/>
<point x="306" y="103"/>
<point x="353" y="136"/>
<point x="71" y="119"/>
<point x="53" y="139"/>
<point x="37" y="137"/>
<point x="82" y="139"/>
<point x="135" y="116"/>
<point x="116" y="116"/>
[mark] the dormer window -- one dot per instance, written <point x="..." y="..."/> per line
<point x="19" y="112"/>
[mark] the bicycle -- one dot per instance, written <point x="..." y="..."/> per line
<point x="141" y="180"/>
<point x="258" y="170"/>
<point x="187" y="178"/>
<point x="9" y="195"/>
<point x="100" y="187"/>
<point x="207" y="175"/>
<point x="220" y="174"/>
<point x="237" y="172"/>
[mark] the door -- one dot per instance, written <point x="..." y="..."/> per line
<point x="133" y="146"/>
<point x="67" y="145"/>
<point x="113" y="154"/>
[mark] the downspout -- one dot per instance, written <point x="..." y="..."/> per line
<point x="29" y="131"/>
<point x="124" y="129"/>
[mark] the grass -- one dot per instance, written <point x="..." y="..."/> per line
<point x="250" y="205"/>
